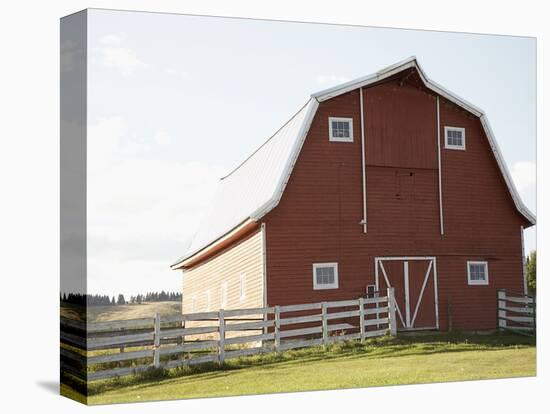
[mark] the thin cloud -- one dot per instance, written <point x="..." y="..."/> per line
<point x="111" y="39"/>
<point x="122" y="59"/>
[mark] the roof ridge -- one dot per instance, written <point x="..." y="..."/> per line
<point x="266" y="141"/>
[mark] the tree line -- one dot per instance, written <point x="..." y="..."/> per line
<point x="106" y="300"/>
<point x="531" y="269"/>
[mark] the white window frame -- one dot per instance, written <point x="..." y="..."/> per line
<point x="478" y="282"/>
<point x="340" y="139"/>
<point x="334" y="285"/>
<point x="242" y="287"/>
<point x="223" y="295"/>
<point x="455" y="147"/>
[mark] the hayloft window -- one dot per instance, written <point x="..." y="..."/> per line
<point x="340" y="129"/>
<point x="325" y="276"/>
<point x="478" y="273"/>
<point x="455" y="138"/>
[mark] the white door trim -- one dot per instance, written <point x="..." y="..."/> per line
<point x="407" y="293"/>
<point x="407" y="322"/>
<point x="388" y="284"/>
<point x="426" y="277"/>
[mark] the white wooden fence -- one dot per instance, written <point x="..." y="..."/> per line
<point x="516" y="312"/>
<point x="136" y="345"/>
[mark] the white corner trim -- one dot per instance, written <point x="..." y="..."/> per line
<point x="334" y="285"/>
<point x="439" y="172"/>
<point x="452" y="146"/>
<point x="264" y="266"/>
<point x="523" y="263"/>
<point x="478" y="282"/>
<point x="340" y="139"/>
<point x="363" y="160"/>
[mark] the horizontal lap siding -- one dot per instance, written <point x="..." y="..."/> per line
<point x="317" y="219"/>
<point x="244" y="257"/>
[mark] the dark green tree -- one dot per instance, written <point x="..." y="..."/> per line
<point x="531" y="269"/>
<point x="121" y="300"/>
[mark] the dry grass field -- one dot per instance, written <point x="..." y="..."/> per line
<point x="118" y="312"/>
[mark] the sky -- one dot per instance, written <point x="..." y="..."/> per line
<point x="175" y="102"/>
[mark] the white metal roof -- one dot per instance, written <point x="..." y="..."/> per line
<point x="251" y="189"/>
<point x="255" y="187"/>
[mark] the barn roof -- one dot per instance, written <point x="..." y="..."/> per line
<point x="255" y="187"/>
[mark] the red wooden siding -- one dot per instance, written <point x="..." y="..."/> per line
<point x="317" y="219"/>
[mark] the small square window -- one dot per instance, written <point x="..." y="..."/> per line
<point x="455" y="138"/>
<point x="340" y="129"/>
<point x="325" y="276"/>
<point x="478" y="273"/>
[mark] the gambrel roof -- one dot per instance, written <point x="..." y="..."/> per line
<point x="255" y="187"/>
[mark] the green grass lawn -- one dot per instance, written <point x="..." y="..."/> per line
<point x="381" y="361"/>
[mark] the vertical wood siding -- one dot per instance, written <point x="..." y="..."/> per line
<point x="317" y="219"/>
<point x="245" y="257"/>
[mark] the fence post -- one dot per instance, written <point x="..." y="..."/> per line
<point x="156" y="352"/>
<point x="277" y="328"/>
<point x="325" y="323"/>
<point x="501" y="305"/>
<point x="391" y="311"/>
<point x="362" y="318"/>
<point x="221" y="347"/>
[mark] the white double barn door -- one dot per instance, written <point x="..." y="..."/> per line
<point x="414" y="280"/>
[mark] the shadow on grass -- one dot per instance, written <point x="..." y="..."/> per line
<point x="384" y="347"/>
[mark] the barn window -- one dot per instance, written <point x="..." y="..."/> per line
<point x="325" y="276"/>
<point x="455" y="138"/>
<point x="478" y="273"/>
<point x="340" y="129"/>
<point x="242" y="289"/>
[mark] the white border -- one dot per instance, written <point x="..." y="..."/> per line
<point x="441" y="228"/>
<point x="478" y="282"/>
<point x="363" y="161"/>
<point x="340" y="119"/>
<point x="334" y="285"/>
<point x="455" y="147"/>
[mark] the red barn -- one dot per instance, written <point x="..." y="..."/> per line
<point x="387" y="180"/>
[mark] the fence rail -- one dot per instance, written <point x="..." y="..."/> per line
<point x="101" y="350"/>
<point x="516" y="312"/>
